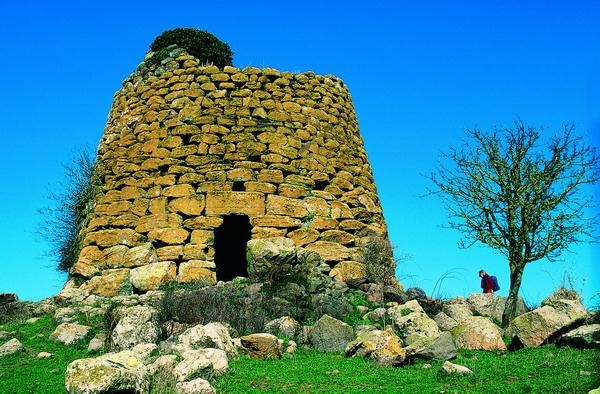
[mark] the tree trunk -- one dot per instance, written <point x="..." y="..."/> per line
<point x="510" y="308"/>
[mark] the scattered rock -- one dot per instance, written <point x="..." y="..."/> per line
<point x="442" y="348"/>
<point x="385" y="347"/>
<point x="65" y="315"/>
<point x="196" y="365"/>
<point x="11" y="347"/>
<point x="144" y="351"/>
<point x="414" y="293"/>
<point x="112" y="372"/>
<point x="457" y="312"/>
<point x="412" y="320"/>
<point x="492" y="305"/>
<point x="217" y="357"/>
<point x="261" y="345"/>
<point x="44" y="355"/>
<point x="285" y="326"/>
<point x="196" y="386"/>
<point x="537" y="326"/>
<point x="32" y="320"/>
<point x="445" y="322"/>
<point x="138" y="324"/>
<point x="478" y="332"/>
<point x="291" y="347"/>
<point x="97" y="343"/>
<point x="330" y="335"/>
<point x="212" y="335"/>
<point x="451" y="368"/>
<point x="70" y="333"/>
<point x="584" y="337"/>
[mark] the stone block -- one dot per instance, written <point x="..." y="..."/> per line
<point x="241" y="203"/>
<point x="152" y="276"/>
<point x="190" y="205"/>
<point x="110" y="283"/>
<point x="285" y="206"/>
<point x="197" y="270"/>
<point x="171" y="236"/>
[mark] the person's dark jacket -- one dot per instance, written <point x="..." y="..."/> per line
<point x="487" y="284"/>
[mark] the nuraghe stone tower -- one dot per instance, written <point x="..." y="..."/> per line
<point x="196" y="160"/>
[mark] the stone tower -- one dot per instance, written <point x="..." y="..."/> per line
<point x="195" y="161"/>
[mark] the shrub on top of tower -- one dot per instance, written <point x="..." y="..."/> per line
<point x="201" y="44"/>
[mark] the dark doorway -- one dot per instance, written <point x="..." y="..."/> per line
<point x="230" y="247"/>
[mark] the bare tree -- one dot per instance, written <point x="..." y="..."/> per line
<point x="527" y="200"/>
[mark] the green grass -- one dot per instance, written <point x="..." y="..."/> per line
<point x="24" y="372"/>
<point x="546" y="369"/>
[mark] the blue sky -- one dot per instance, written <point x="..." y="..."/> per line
<point x="420" y="73"/>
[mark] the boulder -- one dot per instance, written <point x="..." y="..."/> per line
<point x="330" y="335"/>
<point x="211" y="335"/>
<point x="112" y="372"/>
<point x="451" y="368"/>
<point x="385" y="347"/>
<point x="196" y="386"/>
<point x="411" y="319"/>
<point x="11" y="347"/>
<point x="70" y="333"/>
<point x="457" y="312"/>
<point x="270" y="257"/>
<point x="194" y="366"/>
<point x="445" y="322"/>
<point x="442" y="348"/>
<point x="414" y="293"/>
<point x="217" y="358"/>
<point x="478" y="332"/>
<point x="137" y="324"/>
<point x="144" y="351"/>
<point x="394" y="294"/>
<point x="585" y="337"/>
<point x="535" y="327"/>
<point x="492" y="305"/>
<point x="285" y="326"/>
<point x="97" y="343"/>
<point x="261" y="345"/>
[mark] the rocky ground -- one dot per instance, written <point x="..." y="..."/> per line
<point x="141" y="349"/>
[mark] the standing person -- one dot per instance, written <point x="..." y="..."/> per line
<point x="487" y="283"/>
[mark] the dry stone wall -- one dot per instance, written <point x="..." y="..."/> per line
<point x="187" y="145"/>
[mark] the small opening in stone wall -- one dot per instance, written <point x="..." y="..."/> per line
<point x="320" y="185"/>
<point x="238" y="186"/>
<point x="230" y="247"/>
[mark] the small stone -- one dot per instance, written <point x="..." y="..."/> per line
<point x="44" y="355"/>
<point x="70" y="333"/>
<point x="451" y="368"/>
<point x="11" y="347"/>
<point x="196" y="386"/>
<point x="261" y="346"/>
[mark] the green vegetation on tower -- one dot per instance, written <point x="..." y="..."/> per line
<point x="204" y="46"/>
